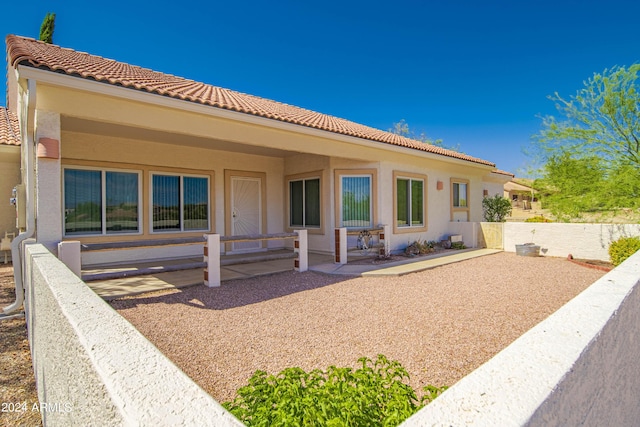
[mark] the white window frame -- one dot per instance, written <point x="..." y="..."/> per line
<point x="103" y="197"/>
<point x="181" y="177"/>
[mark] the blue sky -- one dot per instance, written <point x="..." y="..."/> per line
<point x="473" y="73"/>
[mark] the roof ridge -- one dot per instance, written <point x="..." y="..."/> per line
<point x="82" y="64"/>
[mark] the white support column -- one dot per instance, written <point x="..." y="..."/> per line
<point x="385" y="239"/>
<point x="341" y="246"/>
<point x="212" y="258"/>
<point x="49" y="209"/>
<point x="300" y="246"/>
<point x="69" y="254"/>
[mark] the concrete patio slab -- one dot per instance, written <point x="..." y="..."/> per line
<point x="124" y="286"/>
<point x="402" y="269"/>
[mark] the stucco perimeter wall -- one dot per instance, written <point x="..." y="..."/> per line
<point x="92" y="367"/>
<point x="580" y="366"/>
<point x="586" y="241"/>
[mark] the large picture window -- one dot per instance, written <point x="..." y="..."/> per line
<point x="101" y="202"/>
<point x="304" y="203"/>
<point x="180" y="202"/>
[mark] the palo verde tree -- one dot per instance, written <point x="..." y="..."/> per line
<point x="47" y="27"/>
<point x="402" y="128"/>
<point x="591" y="156"/>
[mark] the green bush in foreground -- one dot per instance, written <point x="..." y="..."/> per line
<point x="623" y="248"/>
<point x="372" y="395"/>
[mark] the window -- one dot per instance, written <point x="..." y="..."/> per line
<point x="180" y="203"/>
<point x="101" y="202"/>
<point x="356" y="203"/>
<point x="409" y="202"/>
<point x="459" y="199"/>
<point x="460" y="195"/>
<point x="304" y="203"/>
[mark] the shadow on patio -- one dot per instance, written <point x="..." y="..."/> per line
<point x="237" y="293"/>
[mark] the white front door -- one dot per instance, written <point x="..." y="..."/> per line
<point x="246" y="211"/>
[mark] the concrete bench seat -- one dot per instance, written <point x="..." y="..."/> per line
<point x="133" y="244"/>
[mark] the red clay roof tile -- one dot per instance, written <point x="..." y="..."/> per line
<point x="30" y="52"/>
<point x="9" y="128"/>
<point x="501" y="172"/>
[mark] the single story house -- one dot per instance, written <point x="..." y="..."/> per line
<point x="124" y="153"/>
<point x="520" y="194"/>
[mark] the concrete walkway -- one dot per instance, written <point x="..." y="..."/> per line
<point x="400" y="268"/>
<point x="124" y="286"/>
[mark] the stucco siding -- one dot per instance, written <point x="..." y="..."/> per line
<point x="9" y="178"/>
<point x="586" y="241"/>
<point x="101" y="131"/>
<point x="92" y="367"/>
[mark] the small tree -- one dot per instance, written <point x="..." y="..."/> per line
<point x="47" y="27"/>
<point x="602" y="120"/>
<point x="496" y="208"/>
<point x="402" y="128"/>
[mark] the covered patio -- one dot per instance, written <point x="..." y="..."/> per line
<point x="128" y="281"/>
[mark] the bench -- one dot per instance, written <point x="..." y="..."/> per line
<point x="212" y="252"/>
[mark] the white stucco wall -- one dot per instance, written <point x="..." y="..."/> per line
<point x="92" y="367"/>
<point x="580" y="366"/>
<point x="586" y="241"/>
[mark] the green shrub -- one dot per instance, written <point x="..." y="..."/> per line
<point x="458" y="245"/>
<point x="373" y="394"/>
<point x="623" y="248"/>
<point x="538" y="218"/>
<point x="496" y="208"/>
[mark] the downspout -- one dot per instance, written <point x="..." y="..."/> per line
<point x="29" y="177"/>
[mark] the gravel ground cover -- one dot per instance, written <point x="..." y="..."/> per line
<point x="440" y="324"/>
<point x="18" y="396"/>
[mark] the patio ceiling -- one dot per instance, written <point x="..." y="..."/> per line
<point x="74" y="124"/>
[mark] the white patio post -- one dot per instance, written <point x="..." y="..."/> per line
<point x="69" y="254"/>
<point x="212" y="258"/>
<point x="341" y="246"/>
<point x="386" y="240"/>
<point x="300" y="246"/>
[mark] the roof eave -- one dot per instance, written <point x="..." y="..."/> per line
<point x="46" y="75"/>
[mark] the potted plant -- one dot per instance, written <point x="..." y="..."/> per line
<point x="528" y="249"/>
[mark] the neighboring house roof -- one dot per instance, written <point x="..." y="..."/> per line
<point x="9" y="128"/>
<point x="514" y="186"/>
<point x="501" y="172"/>
<point x="34" y="53"/>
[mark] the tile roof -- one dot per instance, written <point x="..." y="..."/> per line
<point x="33" y="53"/>
<point x="9" y="128"/>
<point x="501" y="172"/>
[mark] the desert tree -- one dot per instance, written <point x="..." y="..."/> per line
<point x="590" y="156"/>
<point x="602" y="119"/>
<point x="402" y="128"/>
